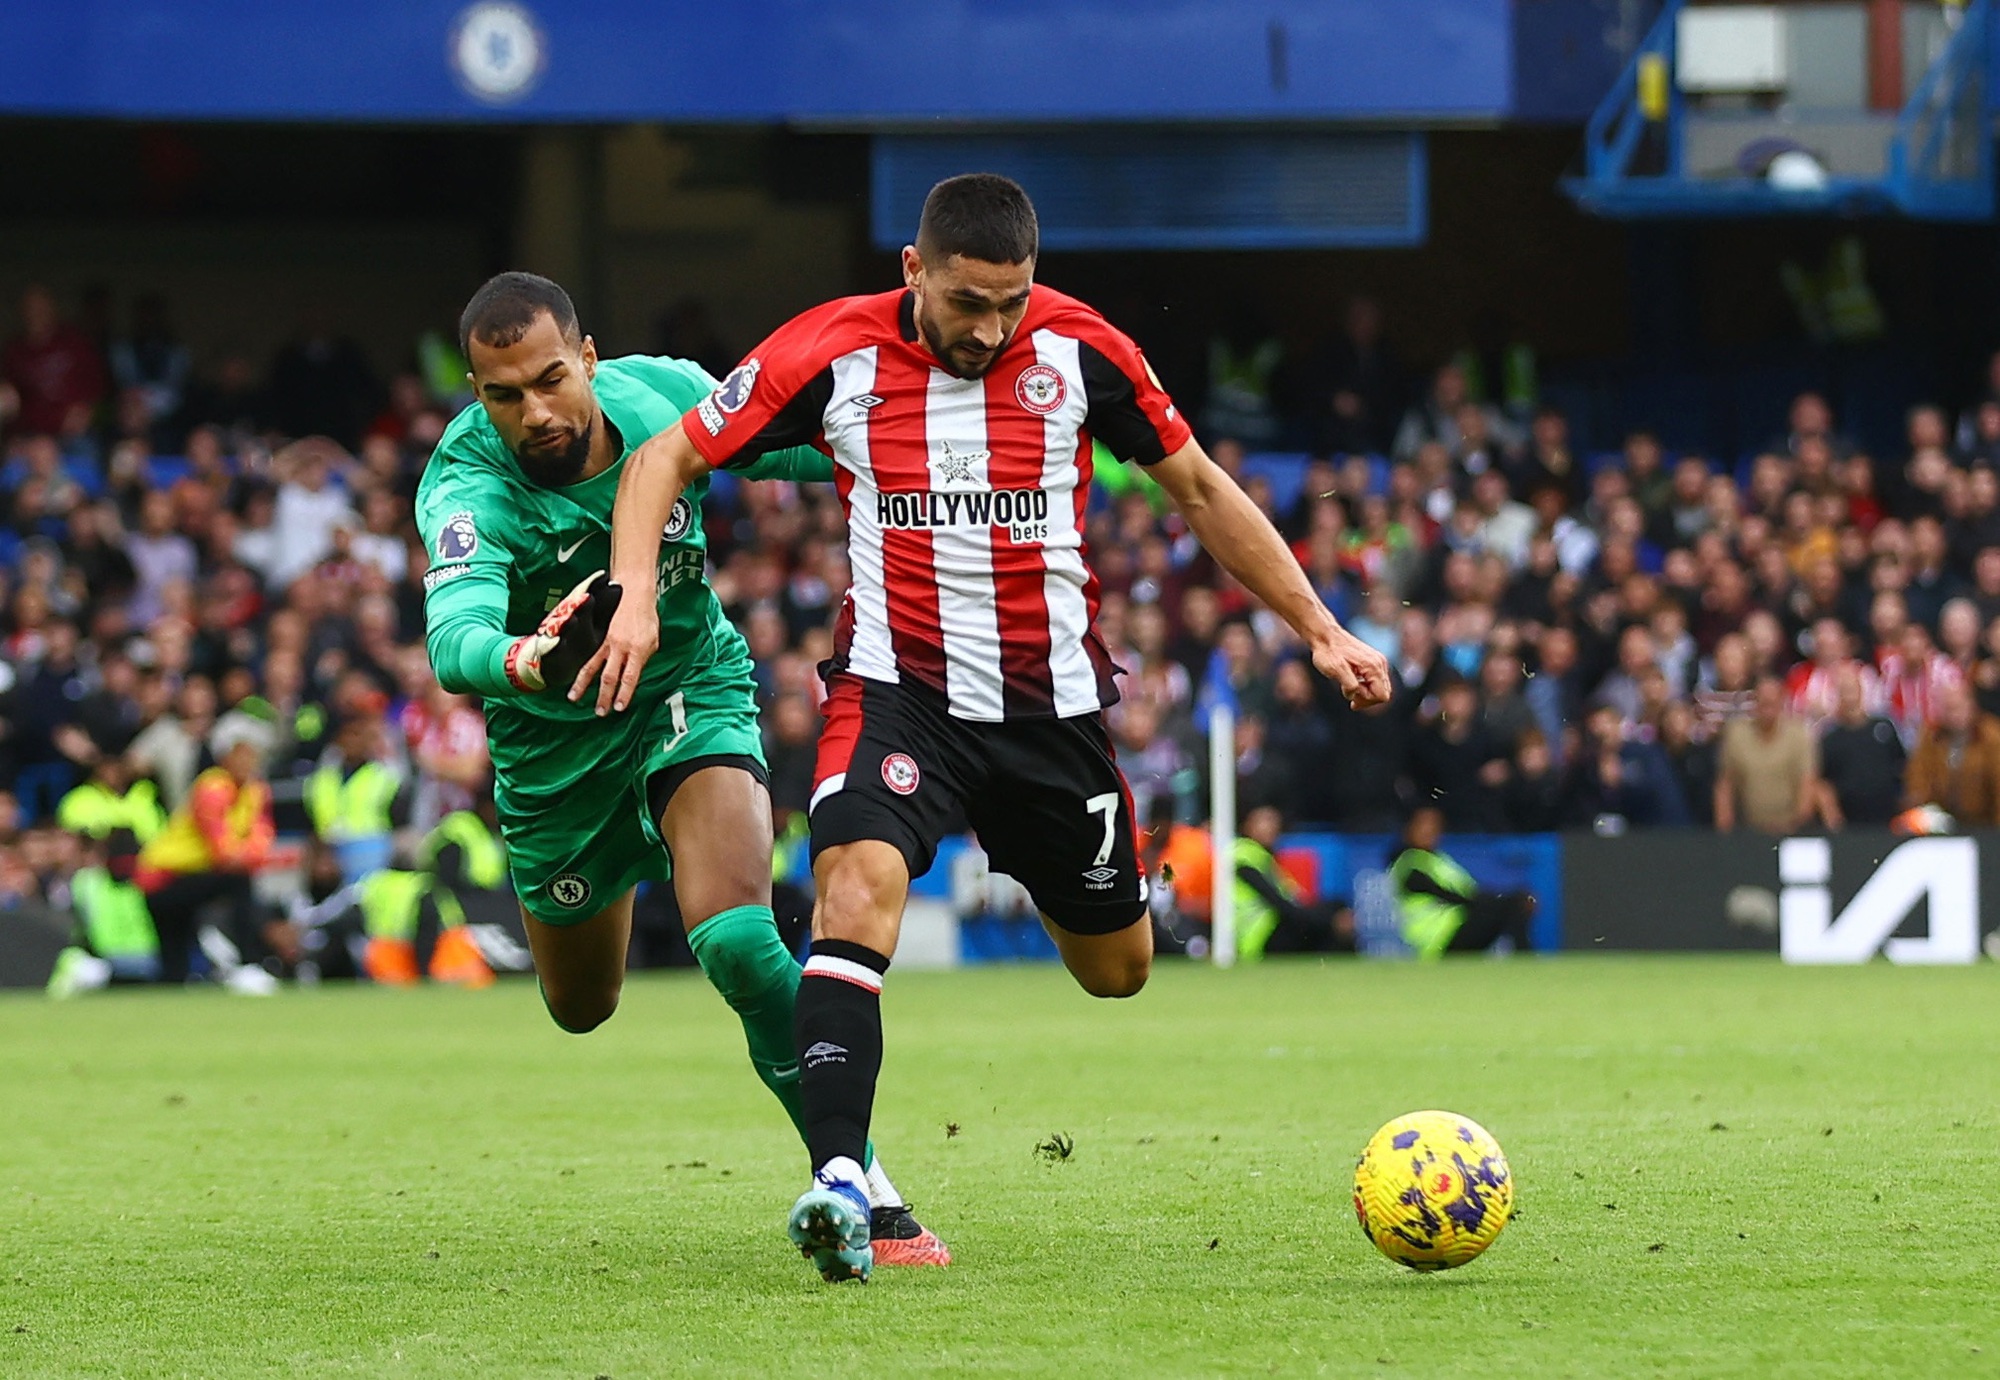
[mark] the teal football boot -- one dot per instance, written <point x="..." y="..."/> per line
<point x="829" y="1225"/>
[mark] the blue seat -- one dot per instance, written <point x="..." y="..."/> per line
<point x="1004" y="939"/>
<point x="165" y="471"/>
<point x="723" y="486"/>
<point x="1284" y="471"/>
<point x="87" y="473"/>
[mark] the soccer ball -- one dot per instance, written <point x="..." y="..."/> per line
<point x="1432" y="1190"/>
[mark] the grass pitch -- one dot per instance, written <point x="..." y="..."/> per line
<point x="1724" y="1167"/>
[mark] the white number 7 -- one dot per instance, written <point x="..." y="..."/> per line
<point x="1106" y="805"/>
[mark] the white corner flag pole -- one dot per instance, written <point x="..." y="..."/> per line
<point x="1222" y="829"/>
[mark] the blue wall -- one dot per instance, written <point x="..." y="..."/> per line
<point x="1501" y="862"/>
<point x="1568" y="53"/>
<point x="867" y="61"/>
<point x="1153" y="188"/>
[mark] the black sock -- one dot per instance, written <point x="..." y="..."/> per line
<point x="839" y="1027"/>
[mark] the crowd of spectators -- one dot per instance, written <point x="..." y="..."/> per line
<point x="1805" y="637"/>
<point x="183" y="552"/>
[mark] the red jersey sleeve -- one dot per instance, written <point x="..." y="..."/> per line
<point x="1129" y="411"/>
<point x="775" y="398"/>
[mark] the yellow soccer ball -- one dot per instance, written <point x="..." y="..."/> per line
<point x="1432" y="1190"/>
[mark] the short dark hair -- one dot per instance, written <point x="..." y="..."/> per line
<point x="507" y="304"/>
<point x="983" y="216"/>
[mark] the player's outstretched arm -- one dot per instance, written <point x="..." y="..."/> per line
<point x="462" y="517"/>
<point x="1238" y="535"/>
<point x="655" y="476"/>
<point x="799" y="464"/>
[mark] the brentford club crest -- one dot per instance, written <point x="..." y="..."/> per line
<point x="1040" y="389"/>
<point x="899" y="773"/>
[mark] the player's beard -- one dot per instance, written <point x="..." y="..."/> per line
<point x="947" y="355"/>
<point x="554" y="469"/>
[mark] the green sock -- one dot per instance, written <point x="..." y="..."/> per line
<point x="743" y="958"/>
<point x="746" y="962"/>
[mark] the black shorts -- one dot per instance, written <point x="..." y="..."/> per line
<point x="662" y="784"/>
<point x="1045" y="797"/>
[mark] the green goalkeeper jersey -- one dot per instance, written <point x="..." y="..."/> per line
<point x="504" y="550"/>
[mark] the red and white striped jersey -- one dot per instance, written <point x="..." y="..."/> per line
<point x="965" y="497"/>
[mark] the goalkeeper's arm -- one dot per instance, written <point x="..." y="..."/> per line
<point x="473" y="654"/>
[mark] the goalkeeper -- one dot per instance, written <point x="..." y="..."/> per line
<point x="515" y="511"/>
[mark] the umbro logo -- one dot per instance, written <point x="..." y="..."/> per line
<point x="1100" y="874"/>
<point x="825" y="1053"/>
<point x="867" y="402"/>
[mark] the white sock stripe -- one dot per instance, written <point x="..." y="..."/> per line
<point x="860" y="974"/>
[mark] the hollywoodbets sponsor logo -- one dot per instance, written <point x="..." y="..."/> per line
<point x="1000" y="508"/>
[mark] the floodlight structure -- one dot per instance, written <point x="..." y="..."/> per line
<point x="1857" y="107"/>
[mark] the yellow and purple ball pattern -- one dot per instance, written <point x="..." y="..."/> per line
<point x="1432" y="1190"/>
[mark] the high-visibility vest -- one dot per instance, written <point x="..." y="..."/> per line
<point x="1256" y="918"/>
<point x="1852" y="311"/>
<point x="1243" y="381"/>
<point x="392" y="902"/>
<point x="345" y="806"/>
<point x="441" y="366"/>
<point x="350" y="811"/>
<point x="1517" y="389"/>
<point x="94" y="809"/>
<point x="1429" y="922"/>
<point x="179" y="846"/>
<point x="1837" y="303"/>
<point x="392" y="899"/>
<point x="485" y="857"/>
<point x="791" y="857"/>
<point x="112" y="915"/>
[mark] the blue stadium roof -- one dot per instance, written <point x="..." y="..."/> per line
<point x="864" y="63"/>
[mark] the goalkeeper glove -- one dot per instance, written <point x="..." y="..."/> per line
<point x="569" y="636"/>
